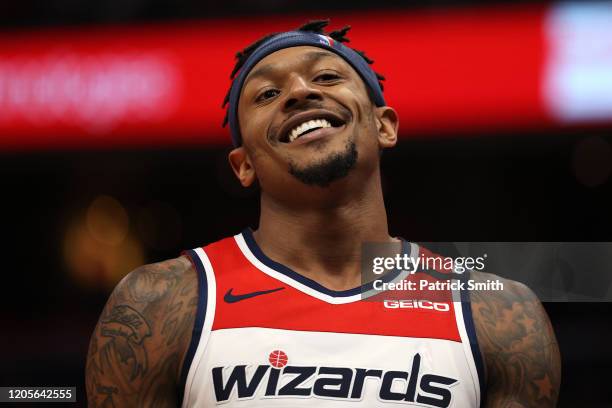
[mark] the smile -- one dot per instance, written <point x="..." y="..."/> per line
<point x="307" y="127"/>
<point x="310" y="125"/>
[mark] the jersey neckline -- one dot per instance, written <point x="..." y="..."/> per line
<point x="253" y="253"/>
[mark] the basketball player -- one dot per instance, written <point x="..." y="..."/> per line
<point x="275" y="317"/>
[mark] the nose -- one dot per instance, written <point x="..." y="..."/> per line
<point x="300" y="92"/>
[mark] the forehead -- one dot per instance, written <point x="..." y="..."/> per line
<point x="292" y="59"/>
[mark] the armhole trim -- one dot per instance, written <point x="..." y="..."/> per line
<point x="468" y="319"/>
<point x="199" y="320"/>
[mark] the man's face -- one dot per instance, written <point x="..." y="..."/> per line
<point x="305" y="115"/>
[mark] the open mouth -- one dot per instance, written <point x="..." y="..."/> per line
<point x="301" y="126"/>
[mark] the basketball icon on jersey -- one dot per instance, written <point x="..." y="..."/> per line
<point x="278" y="359"/>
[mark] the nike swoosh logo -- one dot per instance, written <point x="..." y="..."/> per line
<point x="231" y="298"/>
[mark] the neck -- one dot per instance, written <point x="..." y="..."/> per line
<point x="324" y="242"/>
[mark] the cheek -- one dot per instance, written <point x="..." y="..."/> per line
<point x="253" y="127"/>
<point x="362" y="105"/>
<point x="264" y="158"/>
<point x="271" y="172"/>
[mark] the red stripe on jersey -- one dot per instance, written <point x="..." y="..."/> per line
<point x="292" y="309"/>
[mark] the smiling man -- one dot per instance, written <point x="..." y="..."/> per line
<point x="277" y="317"/>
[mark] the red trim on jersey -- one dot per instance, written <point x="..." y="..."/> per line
<point x="292" y="309"/>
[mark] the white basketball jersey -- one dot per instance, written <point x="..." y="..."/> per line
<point x="266" y="336"/>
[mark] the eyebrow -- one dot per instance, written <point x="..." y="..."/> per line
<point x="311" y="57"/>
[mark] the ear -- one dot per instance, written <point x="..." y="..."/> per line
<point x="388" y="123"/>
<point x="242" y="166"/>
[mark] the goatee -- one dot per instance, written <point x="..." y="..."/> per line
<point x="329" y="169"/>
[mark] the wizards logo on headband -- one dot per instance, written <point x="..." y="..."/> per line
<point x="323" y="39"/>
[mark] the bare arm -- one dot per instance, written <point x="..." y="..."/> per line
<point x="521" y="354"/>
<point x="137" y="348"/>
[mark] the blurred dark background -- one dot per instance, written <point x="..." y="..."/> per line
<point x="143" y="205"/>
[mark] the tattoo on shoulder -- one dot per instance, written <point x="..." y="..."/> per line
<point x="521" y="354"/>
<point x="136" y="350"/>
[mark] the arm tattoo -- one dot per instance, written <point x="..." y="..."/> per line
<point x="138" y="345"/>
<point x="521" y="354"/>
<point x="127" y="329"/>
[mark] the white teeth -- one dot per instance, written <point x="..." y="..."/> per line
<point x="306" y="126"/>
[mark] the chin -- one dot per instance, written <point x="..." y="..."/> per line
<point x="328" y="167"/>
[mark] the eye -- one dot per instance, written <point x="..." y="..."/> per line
<point x="267" y="94"/>
<point x="327" y="77"/>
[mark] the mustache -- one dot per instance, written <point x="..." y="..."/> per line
<point x="274" y="137"/>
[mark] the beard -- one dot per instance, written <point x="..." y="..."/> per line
<point x="329" y="169"/>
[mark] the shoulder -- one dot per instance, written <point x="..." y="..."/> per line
<point x="508" y="306"/>
<point x="138" y="346"/>
<point x="157" y="281"/>
<point x="157" y="293"/>
<point x="162" y="296"/>
<point x="505" y="315"/>
<point x="516" y="338"/>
